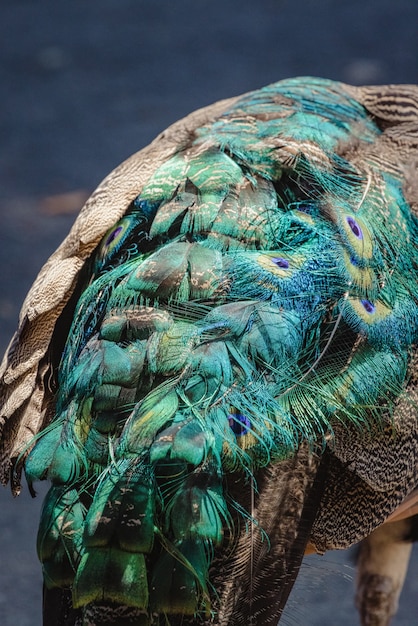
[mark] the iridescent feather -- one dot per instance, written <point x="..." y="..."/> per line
<point x="237" y="317"/>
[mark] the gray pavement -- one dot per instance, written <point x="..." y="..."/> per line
<point x="83" y="84"/>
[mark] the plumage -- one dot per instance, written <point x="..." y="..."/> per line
<point x="217" y="367"/>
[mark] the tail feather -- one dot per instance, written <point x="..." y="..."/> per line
<point x="250" y="306"/>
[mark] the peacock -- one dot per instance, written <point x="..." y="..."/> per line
<point x="217" y="371"/>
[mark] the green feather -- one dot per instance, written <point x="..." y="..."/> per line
<point x="178" y="583"/>
<point x="259" y="291"/>
<point x="111" y="575"/>
<point x="59" y="542"/>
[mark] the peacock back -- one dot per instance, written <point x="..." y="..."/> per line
<point x="235" y="306"/>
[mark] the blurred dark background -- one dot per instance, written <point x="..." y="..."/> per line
<point x="83" y="84"/>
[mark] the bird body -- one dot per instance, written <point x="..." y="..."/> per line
<point x="217" y="365"/>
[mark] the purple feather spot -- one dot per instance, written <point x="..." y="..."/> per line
<point x="305" y="208"/>
<point x="369" y="307"/>
<point x="239" y="424"/>
<point x="280" y="262"/>
<point x="354" y="227"/>
<point x="113" y="235"/>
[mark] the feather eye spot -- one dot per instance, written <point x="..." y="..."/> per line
<point x="354" y="227"/>
<point x="280" y="262"/>
<point x="306" y="207"/>
<point x="368" y="306"/>
<point x="239" y="424"/>
<point x="112" y="236"/>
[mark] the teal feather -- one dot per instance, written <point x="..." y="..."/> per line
<point x="178" y="584"/>
<point x="110" y="574"/>
<point x="259" y="292"/>
<point x="60" y="536"/>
